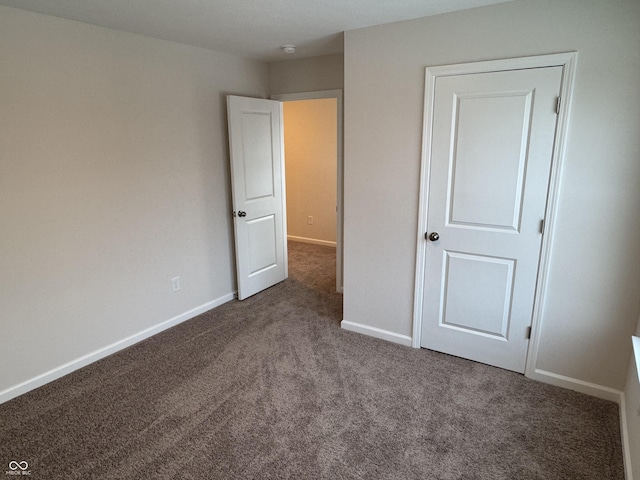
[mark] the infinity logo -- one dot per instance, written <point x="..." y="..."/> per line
<point x="13" y="465"/>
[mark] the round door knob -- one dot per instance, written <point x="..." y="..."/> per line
<point x="242" y="214"/>
<point x="433" y="236"/>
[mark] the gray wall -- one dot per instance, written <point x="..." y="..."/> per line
<point x="307" y="74"/>
<point x="592" y="304"/>
<point x="114" y="178"/>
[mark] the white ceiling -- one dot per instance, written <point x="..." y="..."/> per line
<point x="249" y="28"/>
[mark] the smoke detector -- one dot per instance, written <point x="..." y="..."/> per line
<point x="289" y="49"/>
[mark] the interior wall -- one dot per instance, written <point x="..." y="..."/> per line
<point x="592" y="303"/>
<point x="114" y="178"/>
<point x="307" y="74"/>
<point x="310" y="144"/>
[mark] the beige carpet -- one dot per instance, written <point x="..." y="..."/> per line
<point x="272" y="388"/>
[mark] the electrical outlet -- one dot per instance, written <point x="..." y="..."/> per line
<point x="309" y="220"/>
<point x="176" y="284"/>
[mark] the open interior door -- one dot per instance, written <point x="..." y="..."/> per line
<point x="257" y="182"/>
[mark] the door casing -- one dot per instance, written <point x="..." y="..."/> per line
<point x="568" y="62"/>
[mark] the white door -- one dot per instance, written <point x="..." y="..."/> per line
<point x="492" y="137"/>
<point x="257" y="182"/>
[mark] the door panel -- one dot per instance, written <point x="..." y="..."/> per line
<point x="257" y="166"/>
<point x="482" y="153"/>
<point x="492" y="144"/>
<point x="477" y="294"/>
<point x="262" y="240"/>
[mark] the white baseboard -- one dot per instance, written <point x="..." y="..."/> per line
<point x="315" y="241"/>
<point x="581" y="386"/>
<point x="376" y="332"/>
<point x="85" y="360"/>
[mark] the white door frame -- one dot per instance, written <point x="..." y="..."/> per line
<point x="568" y="62"/>
<point x="337" y="94"/>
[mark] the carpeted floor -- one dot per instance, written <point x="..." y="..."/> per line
<point x="272" y="388"/>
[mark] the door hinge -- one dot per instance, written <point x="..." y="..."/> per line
<point x="528" y="333"/>
<point x="558" y="105"/>
<point x="542" y="226"/>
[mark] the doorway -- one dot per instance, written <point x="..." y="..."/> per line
<point x="313" y="169"/>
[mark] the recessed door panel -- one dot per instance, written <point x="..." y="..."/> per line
<point x="258" y="155"/>
<point x="476" y="294"/>
<point x="262" y="240"/>
<point x="488" y="159"/>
